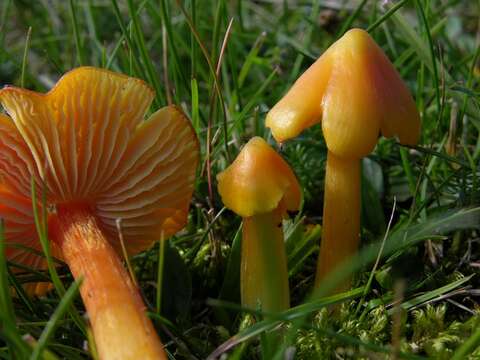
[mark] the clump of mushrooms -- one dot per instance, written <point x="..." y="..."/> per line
<point x="260" y="187"/>
<point x="86" y="143"/>
<point x="355" y="91"/>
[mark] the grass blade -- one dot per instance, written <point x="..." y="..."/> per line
<point x="418" y="300"/>
<point x="146" y="59"/>
<point x="76" y="33"/>
<point x="7" y="315"/>
<point x="42" y="231"/>
<point x="25" y="56"/>
<point x="63" y="306"/>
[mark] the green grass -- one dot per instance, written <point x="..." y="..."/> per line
<point x="176" y="46"/>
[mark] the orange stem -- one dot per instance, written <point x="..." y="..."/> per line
<point x="341" y="216"/>
<point x="116" y="311"/>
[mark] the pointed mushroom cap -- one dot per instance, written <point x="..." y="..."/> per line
<point x="258" y="181"/>
<point x="356" y="92"/>
<point x="87" y="139"/>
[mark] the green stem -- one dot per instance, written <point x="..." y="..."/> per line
<point x="264" y="276"/>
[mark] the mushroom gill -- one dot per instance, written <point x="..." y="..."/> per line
<point x="87" y="145"/>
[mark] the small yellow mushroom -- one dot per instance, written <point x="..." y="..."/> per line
<point x="260" y="187"/>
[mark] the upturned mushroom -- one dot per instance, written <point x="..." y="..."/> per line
<point x="356" y="93"/>
<point x="85" y="143"/>
<point x="260" y="187"/>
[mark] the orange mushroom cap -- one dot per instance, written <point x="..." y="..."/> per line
<point x="258" y="181"/>
<point x="86" y="141"/>
<point x="356" y="92"/>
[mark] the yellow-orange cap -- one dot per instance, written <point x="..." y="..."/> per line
<point x="258" y="181"/>
<point x="356" y="92"/>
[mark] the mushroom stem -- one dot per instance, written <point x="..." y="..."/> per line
<point x="341" y="216"/>
<point x="264" y="276"/>
<point x="115" y="308"/>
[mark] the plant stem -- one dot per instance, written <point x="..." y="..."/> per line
<point x="341" y="216"/>
<point x="115" y="308"/>
<point x="264" y="276"/>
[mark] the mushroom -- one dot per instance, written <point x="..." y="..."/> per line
<point x="260" y="187"/>
<point x="355" y="91"/>
<point x="85" y="143"/>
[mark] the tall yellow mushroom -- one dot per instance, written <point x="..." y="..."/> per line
<point x="260" y="187"/>
<point x="87" y="143"/>
<point x="355" y="91"/>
